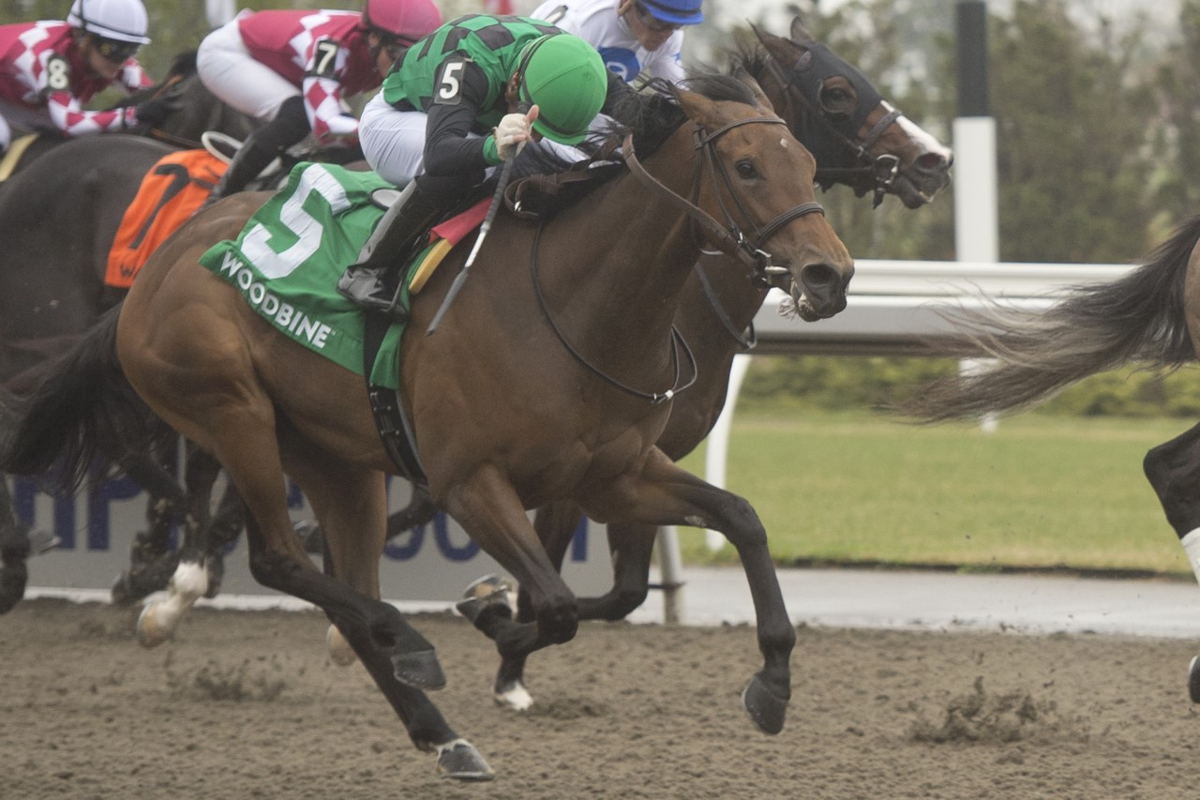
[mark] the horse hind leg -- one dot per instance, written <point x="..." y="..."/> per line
<point x="1173" y="469"/>
<point x="352" y="506"/>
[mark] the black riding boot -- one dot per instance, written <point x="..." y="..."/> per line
<point x="369" y="282"/>
<point x="250" y="159"/>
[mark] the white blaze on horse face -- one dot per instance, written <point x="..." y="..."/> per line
<point x="1191" y="546"/>
<point x="927" y="143"/>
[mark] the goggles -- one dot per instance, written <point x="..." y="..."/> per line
<point x="115" y="51"/>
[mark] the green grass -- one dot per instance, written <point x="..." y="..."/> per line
<point x="1041" y="491"/>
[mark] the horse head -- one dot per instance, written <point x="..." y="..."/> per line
<point x="755" y="181"/>
<point x="858" y="138"/>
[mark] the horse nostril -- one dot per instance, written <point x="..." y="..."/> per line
<point x="933" y="162"/>
<point x="819" y="278"/>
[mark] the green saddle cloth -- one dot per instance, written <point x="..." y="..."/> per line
<point x="287" y="260"/>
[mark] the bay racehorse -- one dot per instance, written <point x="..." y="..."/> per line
<point x="858" y="138"/>
<point x="549" y="378"/>
<point x="1149" y="317"/>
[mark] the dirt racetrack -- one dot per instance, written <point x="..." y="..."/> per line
<point x="248" y="705"/>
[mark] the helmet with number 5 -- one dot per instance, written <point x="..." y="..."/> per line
<point x="115" y="20"/>
<point x="407" y="20"/>
<point x="564" y="76"/>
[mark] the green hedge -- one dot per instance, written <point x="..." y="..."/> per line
<point x="837" y="383"/>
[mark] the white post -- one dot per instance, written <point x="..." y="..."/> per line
<point x="718" y="441"/>
<point x="670" y="565"/>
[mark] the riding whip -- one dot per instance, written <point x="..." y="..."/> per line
<point x="461" y="277"/>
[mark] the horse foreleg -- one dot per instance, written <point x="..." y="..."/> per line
<point x="631" y="548"/>
<point x="1173" y="469"/>
<point x="664" y="494"/>
<point x="489" y="510"/>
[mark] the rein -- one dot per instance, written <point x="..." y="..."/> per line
<point x="731" y="239"/>
<point x="677" y="342"/>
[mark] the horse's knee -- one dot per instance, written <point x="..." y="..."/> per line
<point x="558" y="621"/>
<point x="273" y="570"/>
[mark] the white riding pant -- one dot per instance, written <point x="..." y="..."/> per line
<point x="392" y="141"/>
<point x="234" y="76"/>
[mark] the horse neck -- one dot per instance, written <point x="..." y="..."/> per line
<point x="736" y="294"/>
<point x="644" y="253"/>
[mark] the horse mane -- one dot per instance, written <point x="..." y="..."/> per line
<point x="183" y="65"/>
<point x="651" y="115"/>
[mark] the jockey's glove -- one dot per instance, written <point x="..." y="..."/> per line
<point x="511" y="135"/>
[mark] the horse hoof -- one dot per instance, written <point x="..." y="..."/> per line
<point x="419" y="670"/>
<point x="460" y="760"/>
<point x="42" y="542"/>
<point x="488" y="592"/>
<point x="340" y="651"/>
<point x="1194" y="679"/>
<point x="309" y="533"/>
<point x="513" y="696"/>
<point x="120" y="593"/>
<point x="149" y="632"/>
<point x="764" y="707"/>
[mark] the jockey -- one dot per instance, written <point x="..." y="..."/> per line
<point x="293" y="68"/>
<point x="634" y="37"/>
<point x="49" y="69"/>
<point x="465" y="100"/>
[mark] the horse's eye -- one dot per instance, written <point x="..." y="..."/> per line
<point x="745" y="169"/>
<point x="837" y="102"/>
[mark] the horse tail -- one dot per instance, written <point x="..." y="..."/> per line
<point x="83" y="406"/>
<point x="1139" y="317"/>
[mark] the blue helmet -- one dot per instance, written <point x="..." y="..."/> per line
<point x="676" y="12"/>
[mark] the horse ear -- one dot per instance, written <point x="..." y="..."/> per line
<point x="763" y="101"/>
<point x="696" y="106"/>
<point x="785" y="52"/>
<point x="799" y="33"/>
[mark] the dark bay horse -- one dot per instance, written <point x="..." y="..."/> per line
<point x="59" y="213"/>
<point x="857" y="138"/>
<point x="506" y="415"/>
<point x="1150" y="317"/>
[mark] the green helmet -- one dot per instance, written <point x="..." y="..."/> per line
<point x="564" y="76"/>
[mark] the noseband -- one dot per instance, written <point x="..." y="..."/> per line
<point x="730" y="238"/>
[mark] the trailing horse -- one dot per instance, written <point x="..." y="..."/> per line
<point x="548" y="379"/>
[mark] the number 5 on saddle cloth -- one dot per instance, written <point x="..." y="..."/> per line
<point x="287" y="260"/>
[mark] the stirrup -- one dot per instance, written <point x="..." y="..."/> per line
<point x="362" y="286"/>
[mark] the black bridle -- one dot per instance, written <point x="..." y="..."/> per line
<point x="729" y="236"/>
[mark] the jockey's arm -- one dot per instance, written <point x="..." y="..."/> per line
<point x="68" y="116"/>
<point x="328" y="114"/>
<point x="449" y="148"/>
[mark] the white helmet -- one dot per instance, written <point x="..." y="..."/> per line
<point x="122" y="20"/>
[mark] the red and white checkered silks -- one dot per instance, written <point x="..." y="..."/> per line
<point x="286" y="41"/>
<point x="26" y="50"/>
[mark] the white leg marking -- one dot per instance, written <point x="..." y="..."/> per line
<point x="158" y="620"/>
